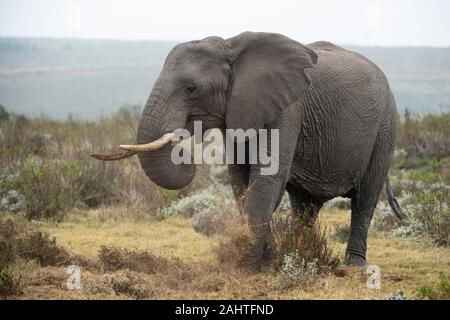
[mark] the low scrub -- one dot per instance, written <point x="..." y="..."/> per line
<point x="301" y="243"/>
<point x="114" y="259"/>
<point x="191" y="205"/>
<point x="10" y="285"/>
<point x="47" y="168"/>
<point x="213" y="220"/>
<point x="126" y="283"/>
<point x="296" y="271"/>
<point x="50" y="188"/>
<point x="427" y="212"/>
<point x="27" y="242"/>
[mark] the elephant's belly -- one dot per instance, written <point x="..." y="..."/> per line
<point x="327" y="170"/>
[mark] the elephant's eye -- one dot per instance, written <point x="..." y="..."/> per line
<point x="190" y="90"/>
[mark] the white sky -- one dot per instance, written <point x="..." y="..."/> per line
<point x="362" y="22"/>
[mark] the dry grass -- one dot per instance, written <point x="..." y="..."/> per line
<point x="114" y="258"/>
<point x="234" y="243"/>
<point x="405" y="264"/>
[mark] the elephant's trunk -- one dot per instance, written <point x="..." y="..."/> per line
<point x="157" y="163"/>
<point x="154" y="149"/>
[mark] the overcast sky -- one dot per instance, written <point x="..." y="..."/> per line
<point x="362" y="22"/>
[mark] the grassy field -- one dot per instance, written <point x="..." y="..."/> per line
<point x="134" y="240"/>
<point x="405" y="264"/>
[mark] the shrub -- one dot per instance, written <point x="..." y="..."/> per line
<point x="436" y="292"/>
<point x="12" y="201"/>
<point x="426" y="209"/>
<point x="211" y="220"/>
<point x="297" y="271"/>
<point x="97" y="183"/>
<point x="293" y="235"/>
<point x="4" y="115"/>
<point x="7" y="254"/>
<point x="396" y="295"/>
<point x="425" y="136"/>
<point x="50" y="187"/>
<point x="124" y="282"/>
<point x="191" y="205"/>
<point x="9" y="284"/>
<point x="21" y="240"/>
<point x="37" y="245"/>
<point x="114" y="258"/>
<point x="92" y="287"/>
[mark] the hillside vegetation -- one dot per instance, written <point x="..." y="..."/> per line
<point x="92" y="78"/>
<point x="134" y="240"/>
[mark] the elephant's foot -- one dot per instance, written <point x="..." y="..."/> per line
<point x="354" y="260"/>
<point x="259" y="258"/>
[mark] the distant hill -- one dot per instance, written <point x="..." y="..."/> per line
<point x="90" y="78"/>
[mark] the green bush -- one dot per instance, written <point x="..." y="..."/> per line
<point x="427" y="212"/>
<point x="7" y="255"/>
<point x="4" y="115"/>
<point x="441" y="291"/>
<point x="97" y="183"/>
<point x="51" y="188"/>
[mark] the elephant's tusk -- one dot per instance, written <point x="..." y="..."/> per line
<point x="112" y="157"/>
<point x="155" y="145"/>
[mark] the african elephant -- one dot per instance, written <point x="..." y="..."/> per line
<point x="335" y="113"/>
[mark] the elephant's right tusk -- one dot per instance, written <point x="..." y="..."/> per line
<point x="155" y="145"/>
<point x="112" y="157"/>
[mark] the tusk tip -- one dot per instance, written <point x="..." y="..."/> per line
<point x="112" y="157"/>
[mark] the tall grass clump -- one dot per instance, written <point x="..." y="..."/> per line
<point x="301" y="249"/>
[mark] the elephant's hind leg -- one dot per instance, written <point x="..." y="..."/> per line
<point x="365" y="198"/>
<point x="303" y="206"/>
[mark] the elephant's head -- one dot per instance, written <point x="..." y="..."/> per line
<point x="242" y="82"/>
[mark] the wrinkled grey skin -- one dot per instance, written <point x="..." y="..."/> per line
<point x="333" y="107"/>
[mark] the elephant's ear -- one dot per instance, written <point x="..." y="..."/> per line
<point x="268" y="75"/>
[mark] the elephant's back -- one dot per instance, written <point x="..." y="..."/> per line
<point x="343" y="110"/>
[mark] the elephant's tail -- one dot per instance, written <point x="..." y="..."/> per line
<point x="392" y="201"/>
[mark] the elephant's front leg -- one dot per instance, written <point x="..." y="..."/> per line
<point x="261" y="200"/>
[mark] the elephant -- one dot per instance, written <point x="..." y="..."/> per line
<point x="333" y="108"/>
